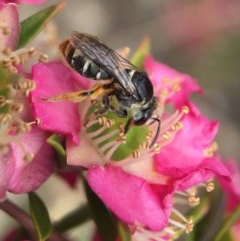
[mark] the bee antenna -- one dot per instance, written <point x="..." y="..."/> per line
<point x="157" y="133"/>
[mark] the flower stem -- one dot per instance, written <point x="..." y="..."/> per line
<point x="73" y="219"/>
<point x="25" y="220"/>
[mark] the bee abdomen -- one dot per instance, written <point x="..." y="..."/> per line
<point x="82" y="64"/>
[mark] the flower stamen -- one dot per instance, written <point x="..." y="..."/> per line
<point x="184" y="223"/>
<point x="211" y="150"/>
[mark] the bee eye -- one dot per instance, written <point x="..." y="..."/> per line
<point x="142" y="120"/>
<point x="143" y="85"/>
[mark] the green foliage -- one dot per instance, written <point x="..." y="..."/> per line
<point x="140" y="54"/>
<point x="31" y="26"/>
<point x="228" y="222"/>
<point x="55" y="142"/>
<point x="40" y="217"/>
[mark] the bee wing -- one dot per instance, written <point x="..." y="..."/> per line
<point x="107" y="58"/>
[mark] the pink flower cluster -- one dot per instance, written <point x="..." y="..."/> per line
<point x="138" y="188"/>
<point x="23" y="1"/>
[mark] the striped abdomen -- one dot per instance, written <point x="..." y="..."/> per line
<point x="81" y="63"/>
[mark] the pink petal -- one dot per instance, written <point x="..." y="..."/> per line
<point x="25" y="1"/>
<point x="131" y="198"/>
<point x="29" y="175"/>
<point x="159" y="73"/>
<point x="7" y="165"/>
<point x="85" y="155"/>
<point x="69" y="176"/>
<point x="209" y="168"/>
<point x="9" y="17"/>
<point x="54" y="78"/>
<point x="186" y="151"/>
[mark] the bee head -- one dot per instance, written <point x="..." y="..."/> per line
<point x="145" y="112"/>
<point x="143" y="115"/>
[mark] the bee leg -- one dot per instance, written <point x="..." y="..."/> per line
<point x="121" y="112"/>
<point x="106" y="105"/>
<point x="130" y="123"/>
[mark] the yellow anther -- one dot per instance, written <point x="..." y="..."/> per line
<point x="7" y="63"/>
<point x="149" y="135"/>
<point x="189" y="225"/>
<point x="31" y="51"/>
<point x="5" y="118"/>
<point x="165" y="80"/>
<point x="193" y="200"/>
<point x="136" y="154"/>
<point x="43" y="58"/>
<point x="173" y="127"/>
<point x="176" y="87"/>
<point x="17" y="107"/>
<point x="156" y="147"/>
<point x="185" y="110"/>
<point x="166" y="135"/>
<point x="143" y="145"/>
<point x="210" y="187"/>
<point x="163" y="92"/>
<point x="36" y="122"/>
<point x="23" y="128"/>
<point x="179" y="125"/>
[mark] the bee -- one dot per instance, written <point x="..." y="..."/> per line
<point x="131" y="86"/>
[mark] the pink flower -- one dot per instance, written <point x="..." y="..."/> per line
<point x="132" y="199"/>
<point x="191" y="146"/>
<point x="24" y="1"/>
<point x="136" y="183"/>
<point x="51" y="79"/>
<point x="27" y="162"/>
<point x="10" y="28"/>
<point x="172" y="86"/>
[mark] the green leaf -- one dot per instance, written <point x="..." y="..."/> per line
<point x="73" y="219"/>
<point x="142" y="51"/>
<point x="40" y="217"/>
<point x="103" y="219"/>
<point x="55" y="142"/>
<point x="227" y="237"/>
<point x="124" y="233"/>
<point x="228" y="222"/>
<point x="31" y="26"/>
<point x="190" y="236"/>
